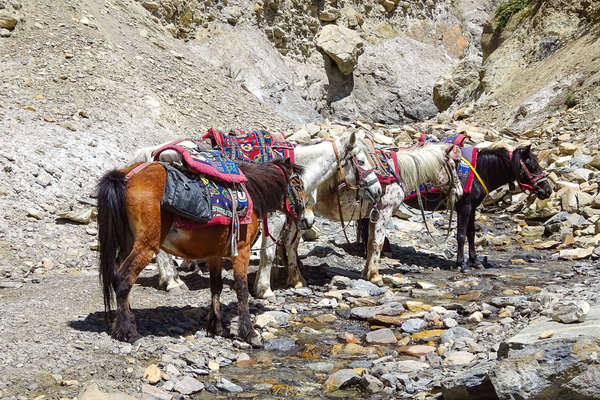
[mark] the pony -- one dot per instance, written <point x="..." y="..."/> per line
<point x="132" y="227"/>
<point x="345" y="157"/>
<point x="430" y="163"/>
<point x="496" y="166"/>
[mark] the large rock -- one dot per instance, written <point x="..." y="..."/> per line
<point x="391" y="309"/>
<point x="92" y="392"/>
<point x="533" y="368"/>
<point x="457" y="84"/>
<point x="381" y="336"/>
<point x="343" y="45"/>
<point x="7" y="21"/>
<point x="341" y="379"/>
<point x="471" y="384"/>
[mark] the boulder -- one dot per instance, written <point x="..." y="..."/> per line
<point x="343" y="45"/>
<point x="534" y="368"/>
<point x="381" y="336"/>
<point x="8" y="21"/>
<point x="457" y="84"/>
<point x="341" y="379"/>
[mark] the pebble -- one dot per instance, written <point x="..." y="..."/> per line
<point x="476" y="317"/>
<point x="280" y="344"/>
<point x="546" y="334"/>
<point x="449" y="322"/>
<point x="152" y="374"/>
<point x="416" y="350"/>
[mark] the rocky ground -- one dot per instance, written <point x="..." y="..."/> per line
<point x="83" y="85"/>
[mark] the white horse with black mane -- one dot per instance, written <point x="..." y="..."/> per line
<point x="322" y="161"/>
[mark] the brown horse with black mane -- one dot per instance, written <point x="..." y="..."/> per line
<point x="132" y="227"/>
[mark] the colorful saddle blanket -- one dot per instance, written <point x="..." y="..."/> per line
<point x="465" y="173"/>
<point x="208" y="162"/>
<point x="255" y="147"/>
<point x="221" y="205"/>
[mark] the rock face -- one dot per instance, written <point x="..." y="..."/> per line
<point x="536" y="368"/>
<point x="343" y="45"/>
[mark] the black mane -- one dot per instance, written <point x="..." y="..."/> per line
<point x="267" y="185"/>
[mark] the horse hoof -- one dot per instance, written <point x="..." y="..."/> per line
<point x="264" y="294"/>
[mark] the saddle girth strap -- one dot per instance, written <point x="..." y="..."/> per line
<point x="476" y="175"/>
<point x="136" y="170"/>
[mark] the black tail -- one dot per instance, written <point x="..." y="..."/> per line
<point x="113" y="229"/>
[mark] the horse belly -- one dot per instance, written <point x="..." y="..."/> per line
<point x="197" y="243"/>
<point x="327" y="206"/>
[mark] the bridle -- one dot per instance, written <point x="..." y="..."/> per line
<point x="362" y="173"/>
<point x="363" y="182"/>
<point x="534" y="180"/>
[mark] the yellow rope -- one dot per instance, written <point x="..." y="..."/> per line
<point x="476" y="174"/>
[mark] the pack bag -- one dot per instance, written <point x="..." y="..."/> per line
<point x="186" y="196"/>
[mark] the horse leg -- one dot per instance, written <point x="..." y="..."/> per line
<point x="240" y="277"/>
<point x="292" y="239"/>
<point x="215" y="320"/>
<point x="124" y="327"/>
<point x="472" y="262"/>
<point x="375" y="245"/>
<point x="462" y="216"/>
<point x="262" y="281"/>
<point x="168" y="276"/>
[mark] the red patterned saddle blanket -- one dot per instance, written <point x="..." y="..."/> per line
<point x="255" y="147"/>
<point x="197" y="159"/>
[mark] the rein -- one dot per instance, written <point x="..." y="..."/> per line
<point x="362" y="173"/>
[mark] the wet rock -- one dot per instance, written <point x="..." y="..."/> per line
<point x="272" y="318"/>
<point x="381" y="336"/>
<point x="458" y="358"/>
<point x="576" y="254"/>
<point x="413" y="325"/>
<point x="515" y="301"/>
<point x="390" y="309"/>
<point x="321" y="366"/>
<point x="281" y="345"/>
<point x="341" y="282"/>
<point x="188" y="385"/>
<point x="371" y="384"/>
<point x="341" y="379"/>
<point x="228" y="386"/>
<point x="571" y="312"/>
<point x="371" y="288"/>
<point x="470" y="384"/>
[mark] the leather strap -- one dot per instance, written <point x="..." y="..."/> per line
<point x="476" y="174"/>
<point x="136" y="170"/>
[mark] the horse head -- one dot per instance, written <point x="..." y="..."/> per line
<point x="529" y="174"/>
<point x="358" y="168"/>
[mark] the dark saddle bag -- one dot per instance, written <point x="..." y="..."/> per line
<point x="186" y="195"/>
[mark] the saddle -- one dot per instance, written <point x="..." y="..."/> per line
<point x="199" y="158"/>
<point x="199" y="201"/>
<point x="255" y="147"/>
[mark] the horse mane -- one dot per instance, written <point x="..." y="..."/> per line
<point x="267" y="185"/>
<point x="422" y="164"/>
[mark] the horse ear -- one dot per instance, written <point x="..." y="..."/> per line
<point x="352" y="141"/>
<point x="525" y="151"/>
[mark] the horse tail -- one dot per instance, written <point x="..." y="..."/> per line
<point x="113" y="229"/>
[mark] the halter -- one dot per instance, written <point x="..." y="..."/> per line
<point x="533" y="179"/>
<point x="361" y="172"/>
